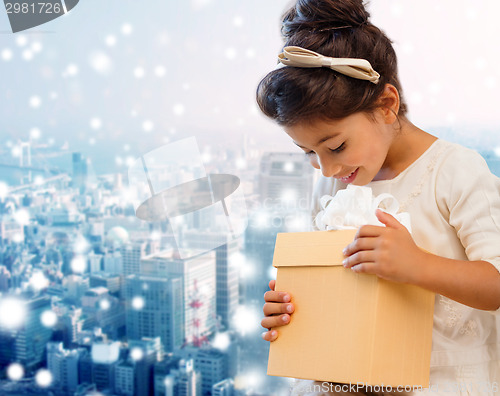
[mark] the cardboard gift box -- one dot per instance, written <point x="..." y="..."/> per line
<point x="347" y="327"/>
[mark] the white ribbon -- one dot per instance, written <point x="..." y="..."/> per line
<point x="355" y="206"/>
<point x="352" y="67"/>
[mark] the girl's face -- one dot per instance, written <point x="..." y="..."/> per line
<point x="354" y="149"/>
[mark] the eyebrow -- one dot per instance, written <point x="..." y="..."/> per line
<point x="320" y="141"/>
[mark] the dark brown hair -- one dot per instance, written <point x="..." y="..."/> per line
<point x="336" y="28"/>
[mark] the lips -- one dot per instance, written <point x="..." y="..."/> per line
<point x="350" y="177"/>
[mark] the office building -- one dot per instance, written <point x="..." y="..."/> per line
<point x="10" y="231"/>
<point x="212" y="364"/>
<point x="125" y="378"/>
<point x="76" y="286"/>
<point x="155" y="308"/>
<point x="80" y="171"/>
<point x="223" y="388"/>
<point x="183" y="381"/>
<point x="26" y="343"/>
<point x="63" y="365"/>
<point x="145" y="353"/>
<point x="198" y="280"/>
<point x="113" y="262"/>
<point x="285" y="179"/>
<point x="131" y="253"/>
<point x="112" y="282"/>
<point x="226" y="271"/>
<point x="94" y="262"/>
<point x="105" y="358"/>
<point x="4" y="279"/>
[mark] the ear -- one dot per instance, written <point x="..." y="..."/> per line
<point x="389" y="103"/>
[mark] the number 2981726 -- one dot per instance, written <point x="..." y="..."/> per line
<point x="34" y="8"/>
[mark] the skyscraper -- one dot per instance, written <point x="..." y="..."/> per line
<point x="132" y="253"/>
<point x="285" y="178"/>
<point x="183" y="381"/>
<point x="197" y="275"/>
<point x="160" y="372"/>
<point x="30" y="339"/>
<point x="113" y="262"/>
<point x="223" y="388"/>
<point x="105" y="358"/>
<point x="94" y="262"/>
<point x="227" y="275"/>
<point x="260" y="239"/>
<point x="10" y="230"/>
<point x="80" y="171"/>
<point x="4" y="279"/>
<point x="143" y="354"/>
<point x="125" y="378"/>
<point x="63" y="365"/>
<point x="212" y="364"/>
<point x="155" y="308"/>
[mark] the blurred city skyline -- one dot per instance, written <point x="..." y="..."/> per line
<point x="88" y="93"/>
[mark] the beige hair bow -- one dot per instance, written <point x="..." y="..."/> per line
<point x="352" y="67"/>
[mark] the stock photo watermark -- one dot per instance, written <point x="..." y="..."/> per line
<point x="25" y="14"/>
<point x="471" y="387"/>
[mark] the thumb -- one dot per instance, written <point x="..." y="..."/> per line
<point x="387" y="219"/>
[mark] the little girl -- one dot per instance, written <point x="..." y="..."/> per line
<point x="337" y="95"/>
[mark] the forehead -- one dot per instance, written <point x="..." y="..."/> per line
<point x="313" y="133"/>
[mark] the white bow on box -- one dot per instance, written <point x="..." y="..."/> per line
<point x="354" y="207"/>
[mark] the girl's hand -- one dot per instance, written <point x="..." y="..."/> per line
<point x="277" y="310"/>
<point x="388" y="252"/>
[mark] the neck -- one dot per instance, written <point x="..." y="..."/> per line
<point x="408" y="144"/>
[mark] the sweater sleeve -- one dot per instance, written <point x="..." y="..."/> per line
<point x="471" y="195"/>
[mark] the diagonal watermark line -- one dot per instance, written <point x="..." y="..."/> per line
<point x="64" y="6"/>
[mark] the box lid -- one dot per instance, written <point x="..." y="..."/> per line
<point x="307" y="249"/>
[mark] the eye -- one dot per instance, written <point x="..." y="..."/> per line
<point x="309" y="153"/>
<point x="339" y="148"/>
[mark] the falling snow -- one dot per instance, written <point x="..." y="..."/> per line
<point x="15" y="371"/>
<point x="6" y="54"/>
<point x="49" y="319"/>
<point x="35" y="102"/>
<point x="43" y="378"/>
<point x="138" y="303"/>
<point x="100" y="62"/>
<point x="79" y="265"/>
<point x="12" y="312"/>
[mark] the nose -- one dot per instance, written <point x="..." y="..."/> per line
<point x="328" y="166"/>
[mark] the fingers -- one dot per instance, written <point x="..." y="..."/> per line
<point x="369" y="231"/>
<point x="276" y="296"/>
<point x="365" y="268"/>
<point x="276" y="309"/>
<point x="269" y="322"/>
<point x="387" y="219"/>
<point x="361" y="250"/>
<point x="270" y="335"/>
<point x="363" y="243"/>
<point x="361" y="257"/>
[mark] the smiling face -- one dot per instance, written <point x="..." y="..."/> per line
<point x="354" y="149"/>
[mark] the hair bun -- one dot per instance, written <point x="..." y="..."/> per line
<point x="323" y="14"/>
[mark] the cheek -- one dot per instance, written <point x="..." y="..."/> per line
<point x="362" y="156"/>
